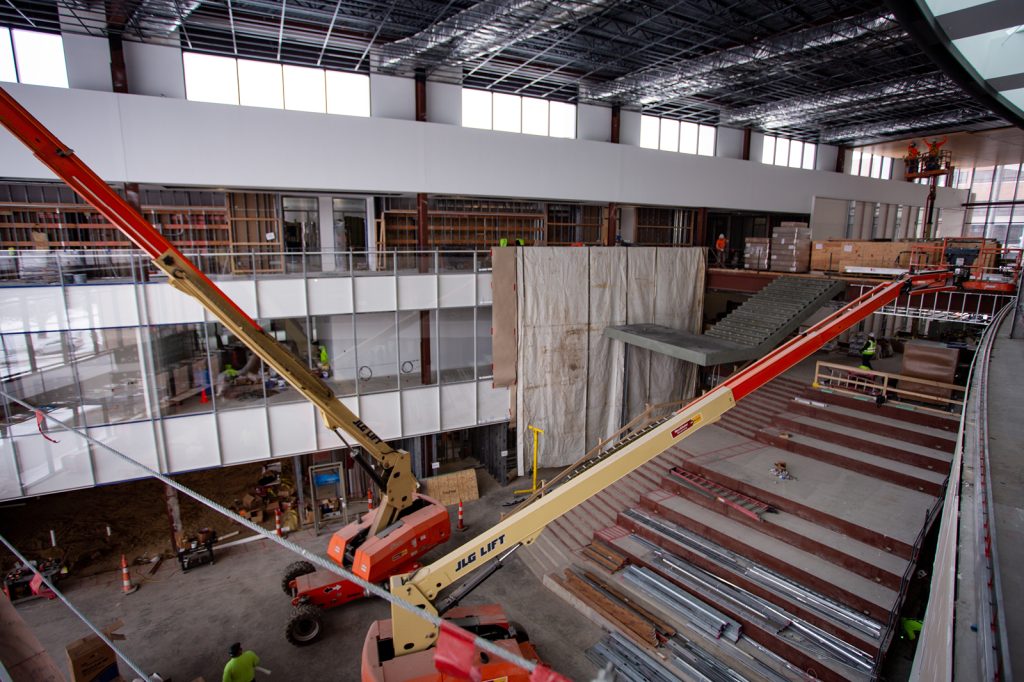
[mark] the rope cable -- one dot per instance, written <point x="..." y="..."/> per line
<point x="315" y="559"/>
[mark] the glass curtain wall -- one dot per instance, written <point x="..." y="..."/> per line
<point x="996" y="206"/>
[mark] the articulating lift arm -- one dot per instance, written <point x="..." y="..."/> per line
<point x="396" y="480"/>
<point x="411" y="634"/>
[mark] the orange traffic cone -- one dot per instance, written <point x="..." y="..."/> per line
<point x="203" y="398"/>
<point x="369" y="499"/>
<point x="461" y="525"/>
<point x="126" y="578"/>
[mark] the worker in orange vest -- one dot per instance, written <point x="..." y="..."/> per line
<point x="721" y="248"/>
<point x="931" y="161"/>
<point x="913" y="157"/>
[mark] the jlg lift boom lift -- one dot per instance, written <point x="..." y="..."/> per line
<point x="402" y="648"/>
<point x="399" y="649"/>
<point x="361" y="547"/>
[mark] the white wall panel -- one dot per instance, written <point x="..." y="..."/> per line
<point x="382" y="412"/>
<point x="32" y="309"/>
<point x="729" y="143"/>
<point x="158" y="139"/>
<point x="421" y="411"/>
<point x="593" y="123"/>
<point x="166" y="305"/>
<point x="325" y="439"/>
<point x="88" y="62"/>
<point x="44" y="466"/>
<point x="134" y="439"/>
<point x="281" y="298"/>
<point x="155" y="70"/>
<point x="457" y="291"/>
<point x="492" y="403"/>
<point x="444" y="103"/>
<point x="243" y="435"/>
<point x="329" y="295"/>
<point x="458" y="403"/>
<point x="242" y="292"/>
<point x="392" y="97"/>
<point x="191" y="442"/>
<point x="417" y="292"/>
<point x="95" y="307"/>
<point x="375" y="293"/>
<point x="9" y="487"/>
<point x="484" y="294"/>
<point x="292" y="428"/>
<point x="87" y="120"/>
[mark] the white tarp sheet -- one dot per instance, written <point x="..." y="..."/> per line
<point x="570" y="377"/>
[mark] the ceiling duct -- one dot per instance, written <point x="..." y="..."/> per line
<point x="809" y="108"/>
<point x="697" y="75"/>
<point x="486" y="28"/>
<point x="162" y="17"/>
<point x="882" y="129"/>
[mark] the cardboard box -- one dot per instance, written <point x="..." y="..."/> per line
<point x="755" y="253"/>
<point x="91" y="660"/>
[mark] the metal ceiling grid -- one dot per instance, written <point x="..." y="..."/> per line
<point x="816" y="70"/>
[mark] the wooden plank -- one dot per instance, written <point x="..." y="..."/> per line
<point x="449" y="489"/>
<point x="632" y="624"/>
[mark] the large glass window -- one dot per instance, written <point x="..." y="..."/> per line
<point x="780" y="151"/>
<point x="8" y="72"/>
<point x="181" y="368"/>
<point x="377" y="352"/>
<point x="348" y="93"/>
<point x="456" y="332"/>
<point x="305" y="89"/>
<point x="226" y="80"/>
<point x="334" y="341"/>
<point x="110" y="375"/>
<point x="39" y="369"/>
<point x="515" y="114"/>
<point x="32" y="57"/>
<point x="484" y="356"/>
<point x="413" y="327"/>
<point x="260" y="84"/>
<point x="209" y="78"/>
<point x="677" y="136"/>
<point x="868" y="165"/>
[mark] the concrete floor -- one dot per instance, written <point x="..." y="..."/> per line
<point x="181" y="625"/>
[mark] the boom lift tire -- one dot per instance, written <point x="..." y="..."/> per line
<point x="304" y="625"/>
<point x="294" y="570"/>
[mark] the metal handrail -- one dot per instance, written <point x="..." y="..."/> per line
<point x="850" y="379"/>
<point x="80" y="266"/>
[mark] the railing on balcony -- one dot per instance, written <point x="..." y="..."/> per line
<point x="31" y="267"/>
<point x="924" y="394"/>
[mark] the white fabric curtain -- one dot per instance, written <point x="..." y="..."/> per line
<point x="573" y="382"/>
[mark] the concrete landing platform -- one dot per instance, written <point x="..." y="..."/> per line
<point x="696" y="348"/>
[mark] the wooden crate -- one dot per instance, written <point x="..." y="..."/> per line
<point x="449" y="489"/>
<point x="838" y="254"/>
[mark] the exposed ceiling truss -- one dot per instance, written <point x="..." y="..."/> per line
<point x="841" y="72"/>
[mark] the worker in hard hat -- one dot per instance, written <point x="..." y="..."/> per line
<point x="868" y="352"/>
<point x="913" y="157"/>
<point x="721" y="250"/>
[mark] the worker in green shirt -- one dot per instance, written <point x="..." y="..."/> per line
<point x="868" y="352"/>
<point x="241" y="667"/>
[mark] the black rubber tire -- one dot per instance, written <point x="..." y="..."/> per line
<point x="521" y="634"/>
<point x="304" y="625"/>
<point x="294" y="570"/>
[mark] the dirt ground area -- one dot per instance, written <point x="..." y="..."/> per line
<point x="136" y="513"/>
<point x="181" y="624"/>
